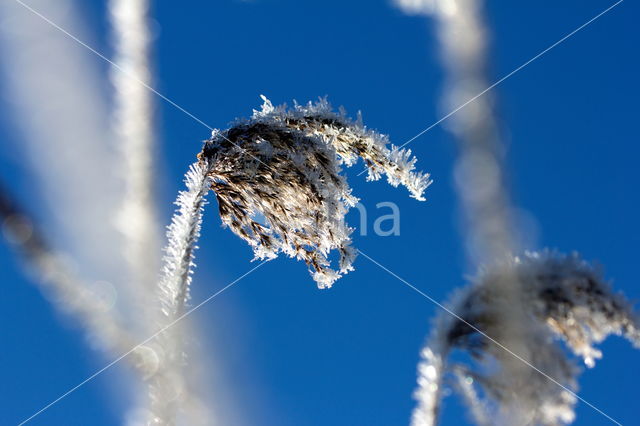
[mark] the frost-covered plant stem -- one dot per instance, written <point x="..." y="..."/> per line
<point x="72" y="296"/>
<point x="168" y="388"/>
<point x="479" y="170"/>
<point x="431" y="372"/>
<point x="62" y="115"/>
<point x="137" y="218"/>
<point x="464" y="384"/>
<point x="182" y="235"/>
<point x="479" y="178"/>
<point x="518" y="374"/>
<point x="133" y="123"/>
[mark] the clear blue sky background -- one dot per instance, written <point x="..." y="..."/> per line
<point x="295" y="355"/>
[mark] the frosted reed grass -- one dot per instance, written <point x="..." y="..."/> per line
<point x="570" y="307"/>
<point x="278" y="182"/>
<point x="531" y="299"/>
<point x="489" y="232"/>
<point x="133" y="124"/>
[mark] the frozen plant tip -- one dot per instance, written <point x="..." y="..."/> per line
<point x="278" y="182"/>
<point x="566" y="300"/>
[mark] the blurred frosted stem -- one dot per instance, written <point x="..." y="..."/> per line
<point x="568" y="301"/>
<point x="479" y="172"/>
<point x="463" y="382"/>
<point x="133" y="129"/>
<point x="54" y="91"/>
<point x="431" y="371"/>
<point x="480" y="179"/>
<point x="169" y="390"/>
<point x="524" y="377"/>
<point x="133" y="125"/>
<point x="480" y="182"/>
<point x="91" y="306"/>
<point x="58" y="100"/>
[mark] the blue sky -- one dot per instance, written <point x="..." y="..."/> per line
<point x="291" y="354"/>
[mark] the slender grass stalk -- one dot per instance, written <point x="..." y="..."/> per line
<point x="62" y="116"/>
<point x="137" y="218"/>
<point x="464" y="384"/>
<point x="93" y="312"/>
<point x="182" y="236"/>
<point x="168" y="388"/>
<point x="490" y="234"/>
<point x="133" y="128"/>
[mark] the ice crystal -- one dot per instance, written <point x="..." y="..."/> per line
<point x="566" y="300"/>
<point x="278" y="182"/>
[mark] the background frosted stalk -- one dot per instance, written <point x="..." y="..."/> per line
<point x="66" y="148"/>
<point x="480" y="182"/>
<point x="568" y="301"/>
<point x="71" y="130"/>
<point x="431" y="372"/>
<point x="92" y="306"/>
<point x="565" y="298"/>
<point x="464" y="384"/>
<point x="133" y="127"/>
<point x="67" y="145"/>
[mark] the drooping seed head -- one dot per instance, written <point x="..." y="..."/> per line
<point x="278" y="182"/>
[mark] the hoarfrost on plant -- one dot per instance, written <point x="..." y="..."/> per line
<point x="279" y="185"/>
